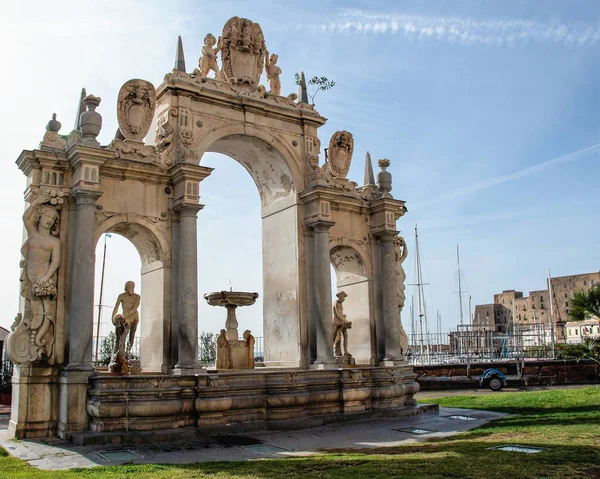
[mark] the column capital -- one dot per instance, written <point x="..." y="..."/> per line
<point x="187" y="209"/>
<point x="386" y="236"/>
<point x="320" y="225"/>
<point x="85" y="196"/>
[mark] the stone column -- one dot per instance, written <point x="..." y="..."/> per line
<point x="310" y="296"/>
<point x="73" y="382"/>
<point x="83" y="257"/>
<point x="391" y="320"/>
<point x="187" y="287"/>
<point x="322" y="288"/>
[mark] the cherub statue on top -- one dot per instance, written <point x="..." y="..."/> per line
<point x="208" y="61"/>
<point x="273" y="72"/>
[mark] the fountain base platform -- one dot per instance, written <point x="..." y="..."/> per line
<point x="158" y="408"/>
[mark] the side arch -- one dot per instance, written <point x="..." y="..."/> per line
<point x="150" y="242"/>
<point x="155" y="309"/>
<point x="352" y="270"/>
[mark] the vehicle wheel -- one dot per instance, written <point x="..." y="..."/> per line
<point x="495" y="383"/>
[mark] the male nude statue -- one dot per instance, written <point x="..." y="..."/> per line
<point x="42" y="259"/>
<point x="340" y="326"/>
<point x="127" y="322"/>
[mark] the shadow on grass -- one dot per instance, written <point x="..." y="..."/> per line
<point x="464" y="459"/>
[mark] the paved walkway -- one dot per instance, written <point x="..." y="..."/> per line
<point x="55" y="454"/>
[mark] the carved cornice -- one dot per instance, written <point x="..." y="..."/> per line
<point x="218" y="93"/>
<point x="79" y="154"/>
<point x="186" y="171"/>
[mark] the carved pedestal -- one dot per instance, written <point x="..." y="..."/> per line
<point x="34" y="402"/>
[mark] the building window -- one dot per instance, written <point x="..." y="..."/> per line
<point x="585" y="283"/>
<point x="576" y="332"/>
<point x="567" y="304"/>
<point x="566" y="295"/>
<point x="567" y="311"/>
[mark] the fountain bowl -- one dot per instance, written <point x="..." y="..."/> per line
<point x="230" y="298"/>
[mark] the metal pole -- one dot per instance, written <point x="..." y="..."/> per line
<point x="420" y="296"/>
<point x="552" y="338"/>
<point x="100" y="302"/>
<point x="460" y="307"/>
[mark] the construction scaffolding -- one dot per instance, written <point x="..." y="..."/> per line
<point x="467" y="344"/>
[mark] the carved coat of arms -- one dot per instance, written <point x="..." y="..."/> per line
<point x="135" y="108"/>
<point x="243" y="53"/>
<point x="339" y="154"/>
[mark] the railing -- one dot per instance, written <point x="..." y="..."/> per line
<point x="474" y="345"/>
<point x="207" y="348"/>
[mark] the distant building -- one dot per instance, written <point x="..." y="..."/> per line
<point x="577" y="331"/>
<point x="511" y="309"/>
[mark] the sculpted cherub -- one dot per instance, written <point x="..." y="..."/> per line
<point x="208" y="61"/>
<point x="273" y="72"/>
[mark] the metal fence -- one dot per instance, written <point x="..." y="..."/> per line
<point x="207" y="348"/>
<point x="6" y="372"/>
<point x="472" y="345"/>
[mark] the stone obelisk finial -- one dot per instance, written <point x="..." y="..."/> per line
<point x="303" y="94"/>
<point x="179" y="58"/>
<point x="369" y="176"/>
<point x="80" y="109"/>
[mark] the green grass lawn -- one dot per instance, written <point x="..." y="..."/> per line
<point x="566" y="422"/>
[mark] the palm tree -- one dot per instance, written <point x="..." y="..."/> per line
<point x="585" y="304"/>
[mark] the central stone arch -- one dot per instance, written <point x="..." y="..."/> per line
<point x="273" y="167"/>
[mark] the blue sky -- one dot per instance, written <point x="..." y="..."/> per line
<point x="489" y="112"/>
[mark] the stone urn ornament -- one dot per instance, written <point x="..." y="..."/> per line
<point x="90" y="121"/>
<point x="135" y="109"/>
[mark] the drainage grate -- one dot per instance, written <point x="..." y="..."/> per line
<point x="517" y="448"/>
<point x="266" y="449"/>
<point x="114" y="456"/>
<point x="460" y="417"/>
<point x="414" y="430"/>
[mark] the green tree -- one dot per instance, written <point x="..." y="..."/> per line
<point x="106" y="349"/>
<point x="208" y="347"/>
<point x="588" y="349"/>
<point x="318" y="84"/>
<point x="585" y="304"/>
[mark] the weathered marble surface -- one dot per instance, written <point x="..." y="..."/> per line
<point x="146" y="403"/>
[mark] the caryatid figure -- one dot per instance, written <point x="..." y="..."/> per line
<point x="401" y="254"/>
<point x="127" y="322"/>
<point x="41" y="254"/>
<point x="340" y="326"/>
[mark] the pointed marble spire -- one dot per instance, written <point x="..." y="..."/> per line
<point x="80" y="109"/>
<point x="303" y="93"/>
<point x="369" y="176"/>
<point x="179" y="58"/>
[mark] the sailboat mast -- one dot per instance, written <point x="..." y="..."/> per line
<point x="552" y="322"/>
<point x="460" y="306"/>
<point x="100" y="302"/>
<point x="419" y="290"/>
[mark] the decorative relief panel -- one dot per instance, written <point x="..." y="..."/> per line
<point x="135" y="109"/>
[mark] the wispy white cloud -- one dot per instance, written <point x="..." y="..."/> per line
<point x="482" y="185"/>
<point x="460" y="30"/>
